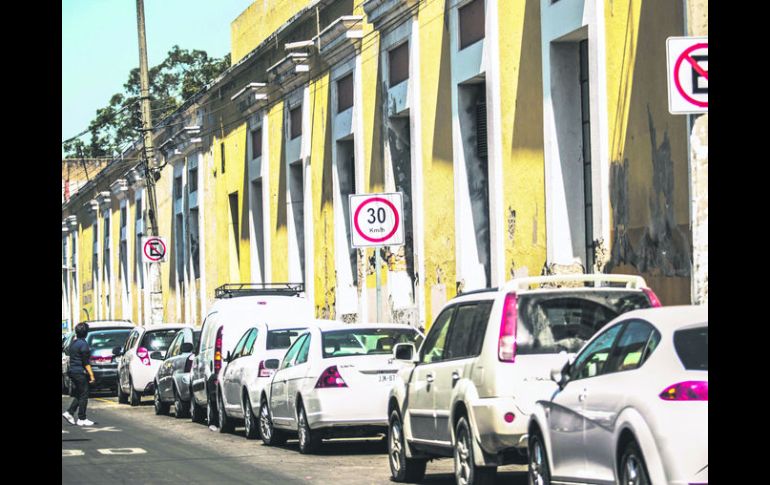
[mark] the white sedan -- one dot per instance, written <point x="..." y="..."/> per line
<point x="334" y="382"/>
<point x="632" y="407"/>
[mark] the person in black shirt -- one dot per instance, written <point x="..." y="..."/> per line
<point x="81" y="375"/>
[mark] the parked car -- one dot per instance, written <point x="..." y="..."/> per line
<point x="250" y="366"/>
<point x="140" y="359"/>
<point x="237" y="308"/>
<point x="333" y="382"/>
<point x="172" y="382"/>
<point x="632" y="407"/>
<point x="486" y="361"/>
<point x="102" y="336"/>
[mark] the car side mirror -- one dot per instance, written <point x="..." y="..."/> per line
<point x="560" y="375"/>
<point x="117" y="351"/>
<point x="229" y="357"/>
<point x="272" y="363"/>
<point x="404" y="351"/>
<point x="157" y="355"/>
<point x="186" y="348"/>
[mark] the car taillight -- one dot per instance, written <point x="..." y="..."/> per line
<point x="654" y="301"/>
<point x="506" y="345"/>
<point x="218" y="351"/>
<point x="686" y="391"/>
<point x="330" y="378"/>
<point x="188" y="364"/>
<point x="143" y="355"/>
<point x="264" y="371"/>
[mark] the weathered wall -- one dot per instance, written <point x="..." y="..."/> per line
<point x="648" y="148"/>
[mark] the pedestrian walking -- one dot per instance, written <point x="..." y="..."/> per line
<point x="81" y="375"/>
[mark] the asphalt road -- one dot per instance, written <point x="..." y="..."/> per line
<point x="133" y="445"/>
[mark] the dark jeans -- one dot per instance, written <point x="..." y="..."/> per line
<point x="79" y="393"/>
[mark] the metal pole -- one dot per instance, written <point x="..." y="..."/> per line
<point x="378" y="263"/>
<point x="150" y="170"/>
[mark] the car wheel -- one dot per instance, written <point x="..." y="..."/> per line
<point x="250" y="422"/>
<point x="181" y="408"/>
<point x="309" y="440"/>
<point x="270" y="435"/>
<point x="122" y="396"/>
<point x="136" y="398"/>
<point x="197" y="413"/>
<point x="225" y="423"/>
<point x="539" y="473"/>
<point x="402" y="469"/>
<point x="211" y="412"/>
<point x="466" y="471"/>
<point x="633" y="470"/>
<point x="160" y="406"/>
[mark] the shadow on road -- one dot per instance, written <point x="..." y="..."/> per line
<point x="509" y="478"/>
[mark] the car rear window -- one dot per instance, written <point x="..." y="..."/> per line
<point x="107" y="339"/>
<point x="565" y="320"/>
<point x="282" y="339"/>
<point x="341" y="343"/>
<point x="158" y="339"/>
<point x="692" y="347"/>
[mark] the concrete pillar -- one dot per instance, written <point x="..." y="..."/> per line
<point x="697" y="25"/>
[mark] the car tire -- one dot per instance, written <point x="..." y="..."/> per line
<point x="197" y="412"/>
<point x="632" y="469"/>
<point x="270" y="435"/>
<point x="161" y="408"/>
<point x="122" y="396"/>
<point x="226" y="424"/>
<point x="539" y="473"/>
<point x="402" y="469"/>
<point x="211" y="412"/>
<point x="135" y="397"/>
<point x="309" y="440"/>
<point x="466" y="471"/>
<point x="250" y="422"/>
<point x="181" y="408"/>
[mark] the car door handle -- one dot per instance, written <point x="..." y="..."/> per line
<point x="583" y="394"/>
<point x="429" y="378"/>
<point x="455" y="378"/>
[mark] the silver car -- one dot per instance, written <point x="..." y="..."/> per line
<point x="172" y="382"/>
<point x="632" y="407"/>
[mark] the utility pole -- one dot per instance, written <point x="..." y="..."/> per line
<point x="151" y="170"/>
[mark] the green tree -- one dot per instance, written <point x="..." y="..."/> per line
<point x="182" y="74"/>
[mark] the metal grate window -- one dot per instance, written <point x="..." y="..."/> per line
<point x="222" y="151"/>
<point x="585" y="115"/>
<point x="481" y="128"/>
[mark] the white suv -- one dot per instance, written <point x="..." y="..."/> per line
<point x="486" y="361"/>
<point x="238" y="307"/>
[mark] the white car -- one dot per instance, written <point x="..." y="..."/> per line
<point x="633" y="406"/>
<point x="250" y="366"/>
<point x="333" y="382"/>
<point x="140" y="358"/>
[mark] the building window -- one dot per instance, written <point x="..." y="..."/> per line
<point x="585" y="115"/>
<point x="194" y="243"/>
<point x="471" y="23"/>
<point x="295" y="120"/>
<point x="256" y="143"/>
<point x="345" y="93"/>
<point x="177" y="187"/>
<point x="398" y="62"/>
<point x="222" y="150"/>
<point x="234" y="222"/>
<point x="192" y="180"/>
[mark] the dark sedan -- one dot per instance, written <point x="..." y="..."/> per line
<point x="172" y="382"/>
<point x="102" y="337"/>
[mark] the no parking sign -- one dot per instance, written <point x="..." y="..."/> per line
<point x="688" y="74"/>
<point x="376" y="219"/>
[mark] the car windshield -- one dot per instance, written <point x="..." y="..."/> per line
<point x="107" y="339"/>
<point x="551" y="322"/>
<point x="692" y="347"/>
<point x="158" y="339"/>
<point x="282" y="339"/>
<point x="340" y="343"/>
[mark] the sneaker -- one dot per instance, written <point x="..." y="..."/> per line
<point x="85" y="422"/>
<point x="70" y="419"/>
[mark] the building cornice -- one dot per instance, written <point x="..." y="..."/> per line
<point x="341" y="39"/>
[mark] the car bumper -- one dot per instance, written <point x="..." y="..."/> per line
<point x="104" y="378"/>
<point x="327" y="408"/>
<point x="494" y="434"/>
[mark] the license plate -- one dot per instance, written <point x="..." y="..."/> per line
<point x="386" y="378"/>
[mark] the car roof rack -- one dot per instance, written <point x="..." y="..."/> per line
<point x="231" y="290"/>
<point x="598" y="280"/>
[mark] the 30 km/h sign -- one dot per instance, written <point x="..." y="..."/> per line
<point x="688" y="74"/>
<point x="376" y="219"/>
<point x="154" y="249"/>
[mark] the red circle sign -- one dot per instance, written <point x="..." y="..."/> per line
<point x="376" y="239"/>
<point x="682" y="57"/>
<point x="151" y="242"/>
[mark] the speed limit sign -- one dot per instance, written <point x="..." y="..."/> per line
<point x="376" y="219"/>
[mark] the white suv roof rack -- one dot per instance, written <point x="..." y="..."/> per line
<point x="523" y="284"/>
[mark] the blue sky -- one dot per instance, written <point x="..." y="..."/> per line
<point x="100" y="45"/>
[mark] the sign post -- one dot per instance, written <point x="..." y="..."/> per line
<point x="687" y="60"/>
<point x="377" y="220"/>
